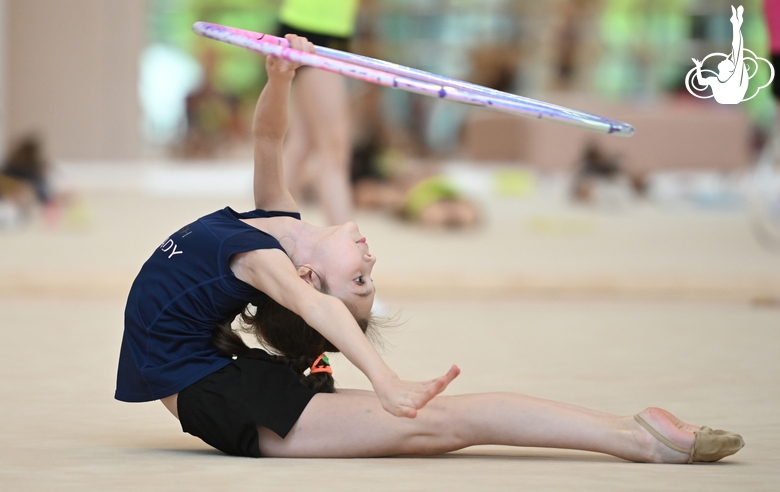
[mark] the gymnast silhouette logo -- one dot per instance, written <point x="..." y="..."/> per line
<point x="730" y="84"/>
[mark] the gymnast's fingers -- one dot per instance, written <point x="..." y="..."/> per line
<point x="441" y="383"/>
<point x="300" y="43"/>
<point x="436" y="386"/>
<point x="283" y="64"/>
<point x="453" y="372"/>
<point x="295" y="41"/>
<point x="307" y="46"/>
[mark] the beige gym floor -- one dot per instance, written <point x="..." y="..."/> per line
<point x="615" y="310"/>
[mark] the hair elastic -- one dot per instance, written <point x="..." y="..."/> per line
<point x="321" y="364"/>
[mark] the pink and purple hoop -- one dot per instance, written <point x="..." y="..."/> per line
<point x="410" y="79"/>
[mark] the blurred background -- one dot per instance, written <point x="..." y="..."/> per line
<point x="105" y="99"/>
<point x="115" y="83"/>
<point x="605" y="271"/>
<point x="121" y="101"/>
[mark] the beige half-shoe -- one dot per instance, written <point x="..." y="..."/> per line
<point x="709" y="445"/>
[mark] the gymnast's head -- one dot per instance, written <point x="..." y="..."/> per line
<point x="336" y="262"/>
<point x="339" y="262"/>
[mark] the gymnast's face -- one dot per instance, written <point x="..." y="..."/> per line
<point x="343" y="258"/>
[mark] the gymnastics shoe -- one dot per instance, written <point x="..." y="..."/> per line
<point x="709" y="445"/>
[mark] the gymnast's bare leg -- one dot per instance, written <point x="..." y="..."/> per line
<point x="319" y="139"/>
<point x="354" y="424"/>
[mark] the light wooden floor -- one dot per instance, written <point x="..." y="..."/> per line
<point x="615" y="311"/>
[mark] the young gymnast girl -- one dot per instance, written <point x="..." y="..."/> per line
<point x="312" y="290"/>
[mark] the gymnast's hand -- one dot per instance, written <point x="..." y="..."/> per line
<point x="281" y="67"/>
<point x="404" y="398"/>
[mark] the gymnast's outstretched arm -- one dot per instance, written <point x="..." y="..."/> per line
<point x="269" y="271"/>
<point x="269" y="127"/>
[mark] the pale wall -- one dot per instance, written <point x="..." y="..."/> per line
<point x="3" y="105"/>
<point x="71" y="76"/>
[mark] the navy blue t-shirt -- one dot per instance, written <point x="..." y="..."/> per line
<point x="181" y="292"/>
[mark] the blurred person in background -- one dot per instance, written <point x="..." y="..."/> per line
<point x="419" y="195"/>
<point x="602" y="179"/>
<point x="25" y="163"/>
<point x="318" y="148"/>
<point x="23" y="182"/>
<point x="570" y="42"/>
<point x="213" y="117"/>
<point x="766" y="201"/>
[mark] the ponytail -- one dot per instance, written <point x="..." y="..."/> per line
<point x="280" y="330"/>
<point x="229" y="342"/>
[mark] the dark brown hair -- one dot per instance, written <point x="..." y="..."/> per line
<point x="25" y="160"/>
<point x="285" y="333"/>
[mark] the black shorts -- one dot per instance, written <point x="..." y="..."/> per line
<point x="324" y="40"/>
<point x="225" y="408"/>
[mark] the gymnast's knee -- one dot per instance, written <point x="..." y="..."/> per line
<point x="442" y="427"/>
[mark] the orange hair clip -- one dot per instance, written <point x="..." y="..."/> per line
<point x="325" y="367"/>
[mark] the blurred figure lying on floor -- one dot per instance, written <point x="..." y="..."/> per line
<point x="433" y="201"/>
<point x="383" y="179"/>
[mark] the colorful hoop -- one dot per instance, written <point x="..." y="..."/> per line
<point x="410" y="79"/>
